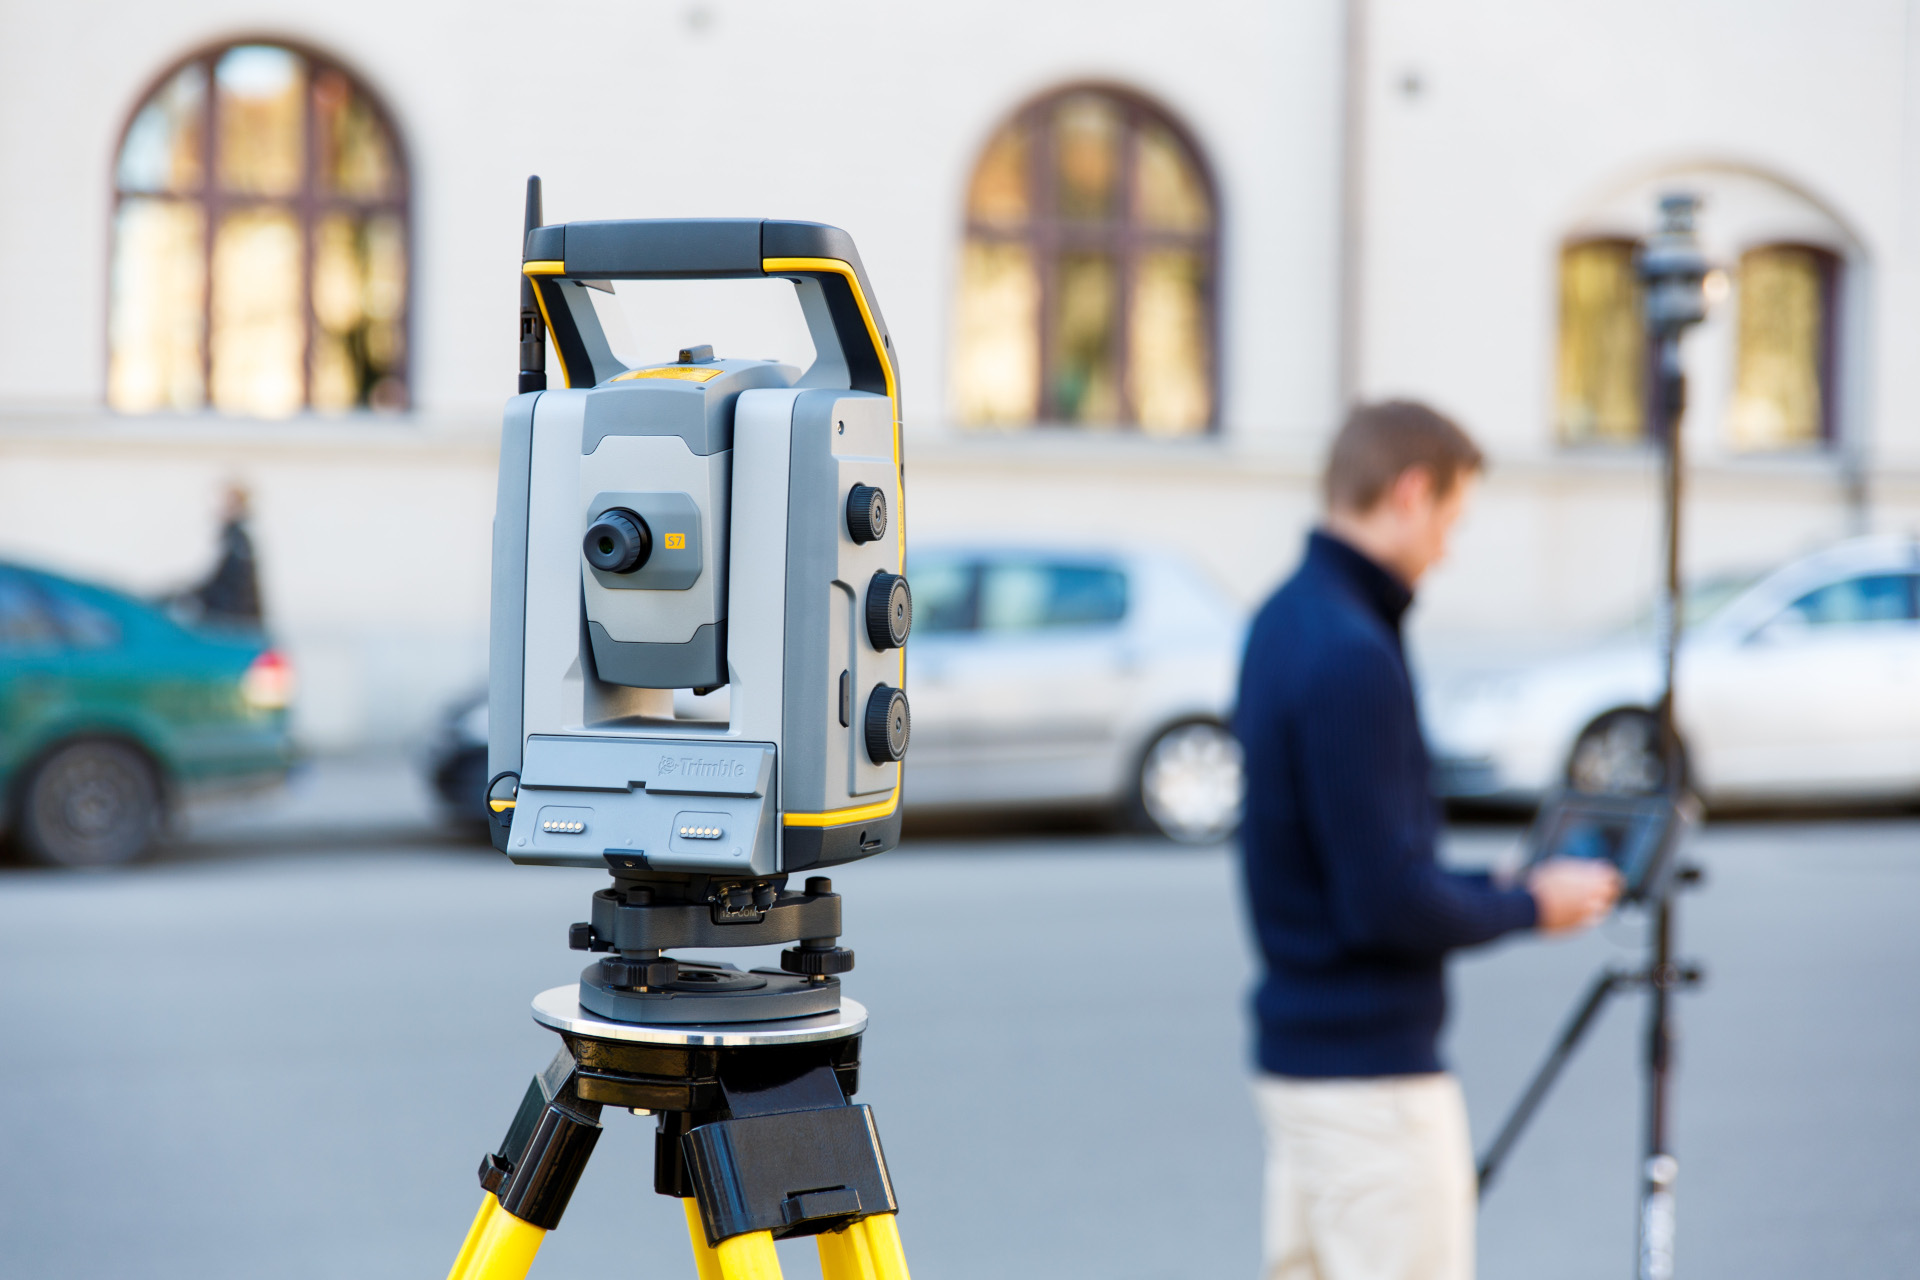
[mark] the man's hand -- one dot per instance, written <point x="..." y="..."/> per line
<point x="1572" y="893"/>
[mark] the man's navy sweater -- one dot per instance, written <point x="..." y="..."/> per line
<point x="1353" y="912"/>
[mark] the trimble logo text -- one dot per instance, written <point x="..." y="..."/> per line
<point x="701" y="767"/>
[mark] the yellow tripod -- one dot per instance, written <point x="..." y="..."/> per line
<point x="754" y="1135"/>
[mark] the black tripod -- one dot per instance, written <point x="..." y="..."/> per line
<point x="1673" y="271"/>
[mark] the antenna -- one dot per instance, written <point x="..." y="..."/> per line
<point x="533" y="332"/>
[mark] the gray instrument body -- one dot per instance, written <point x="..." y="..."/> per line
<point x="741" y="470"/>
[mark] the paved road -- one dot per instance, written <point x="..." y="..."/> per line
<point x="285" y="1057"/>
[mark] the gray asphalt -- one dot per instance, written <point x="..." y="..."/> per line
<point x="284" y="1055"/>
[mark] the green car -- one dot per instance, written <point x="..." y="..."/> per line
<point x="110" y="712"/>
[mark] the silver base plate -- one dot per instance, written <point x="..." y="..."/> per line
<point x="559" y="1008"/>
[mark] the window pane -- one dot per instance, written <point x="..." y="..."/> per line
<point x="165" y="148"/>
<point x="999" y="192"/>
<point x="261" y="89"/>
<point x="355" y="155"/>
<point x="1083" y="594"/>
<point x="1777" y="396"/>
<point x="1086" y="139"/>
<point x="1168" y="359"/>
<point x="997" y="361"/>
<point x="1013" y="597"/>
<point x="1603" y="344"/>
<point x="1885" y="597"/>
<point x="943" y="596"/>
<point x="83" y="625"/>
<point x="359" y="282"/>
<point x="1028" y="596"/>
<point x="1086" y="300"/>
<point x="1086" y="283"/>
<point x="157" y="306"/>
<point x="257" y="329"/>
<point x="24" y="620"/>
<point x="1169" y="195"/>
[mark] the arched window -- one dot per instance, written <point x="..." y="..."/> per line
<point x="1784" y="347"/>
<point x="1088" y="276"/>
<point x="260" y="241"/>
<point x="1603" y="344"/>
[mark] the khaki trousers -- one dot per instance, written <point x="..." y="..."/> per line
<point x="1367" y="1179"/>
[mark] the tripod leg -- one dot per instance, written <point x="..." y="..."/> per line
<point x="747" y="1257"/>
<point x="1603" y="986"/>
<point x="706" y="1259"/>
<point x="499" y="1246"/>
<point x="867" y="1250"/>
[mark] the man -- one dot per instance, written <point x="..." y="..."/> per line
<point x="1369" y="1171"/>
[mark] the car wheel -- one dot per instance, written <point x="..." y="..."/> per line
<point x="90" y="804"/>
<point x="1192" y="783"/>
<point x="1618" y="754"/>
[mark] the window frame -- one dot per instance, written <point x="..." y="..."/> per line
<point x="307" y="204"/>
<point x="1049" y="236"/>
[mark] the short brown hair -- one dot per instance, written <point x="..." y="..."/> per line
<point x="1380" y="441"/>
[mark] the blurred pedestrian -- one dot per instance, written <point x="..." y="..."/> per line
<point x="1369" y="1169"/>
<point x="231" y="594"/>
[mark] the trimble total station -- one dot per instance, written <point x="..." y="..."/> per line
<point x="665" y="532"/>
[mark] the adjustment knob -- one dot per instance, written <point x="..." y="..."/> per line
<point x="618" y="541"/>
<point x="816" y="962"/>
<point x="630" y="971"/>
<point x="866" y="513"/>
<point x="888" y="723"/>
<point x="889" y="610"/>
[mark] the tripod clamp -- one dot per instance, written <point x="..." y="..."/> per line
<point x="753" y="1123"/>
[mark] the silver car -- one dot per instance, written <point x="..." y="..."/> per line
<point x="1801" y="686"/>
<point x="1043" y="678"/>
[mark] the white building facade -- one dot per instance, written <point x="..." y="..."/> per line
<point x="1381" y="200"/>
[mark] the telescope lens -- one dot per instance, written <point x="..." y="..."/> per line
<point x="618" y="541"/>
<point x="889" y="611"/>
<point x="866" y="513"/>
<point x="888" y="724"/>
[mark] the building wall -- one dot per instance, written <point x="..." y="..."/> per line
<point x="373" y="531"/>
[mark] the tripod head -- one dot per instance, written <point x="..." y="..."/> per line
<point x="712" y="527"/>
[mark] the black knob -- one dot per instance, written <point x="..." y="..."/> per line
<point x="816" y="961"/>
<point x="888" y="724"/>
<point x="866" y="513"/>
<point x="889" y="610"/>
<point x="618" y="541"/>
<point x="630" y="971"/>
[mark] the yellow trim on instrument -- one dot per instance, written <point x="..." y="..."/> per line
<point x="841" y="817"/>
<point x="499" y="1246"/>
<point x="541" y="298"/>
<point x="544" y="268"/>
<point x="677" y="372"/>
<point x="777" y="266"/>
<point x="500" y="806"/>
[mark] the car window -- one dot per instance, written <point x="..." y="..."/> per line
<point x="1024" y="595"/>
<point x="25" y="622"/>
<point x="1880" y="597"/>
<point x="944" y="596"/>
<point x="83" y="625"/>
